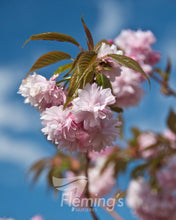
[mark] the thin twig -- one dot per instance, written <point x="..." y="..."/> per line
<point x="87" y="193"/>
<point x="169" y="91"/>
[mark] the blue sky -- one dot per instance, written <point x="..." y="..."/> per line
<point x="21" y="142"/>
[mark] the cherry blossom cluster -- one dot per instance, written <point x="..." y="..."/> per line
<point x="149" y="146"/>
<point x="87" y="124"/>
<point x="150" y="202"/>
<point x="147" y="203"/>
<point x="136" y="45"/>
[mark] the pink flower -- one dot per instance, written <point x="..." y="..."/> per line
<point x="104" y="135"/>
<point x="148" y="204"/>
<point x="41" y="93"/>
<point x="115" y="68"/>
<point x="145" y="140"/>
<point x="169" y="135"/>
<point x="61" y="128"/>
<point x="167" y="176"/>
<point x="126" y="88"/>
<point x="137" y="45"/>
<point x="37" y="217"/>
<point x="93" y="155"/>
<point x="91" y="105"/>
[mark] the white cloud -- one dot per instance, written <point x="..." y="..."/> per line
<point x="111" y="18"/>
<point x="20" y="152"/>
<point x="13" y="114"/>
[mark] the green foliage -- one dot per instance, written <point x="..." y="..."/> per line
<point x="103" y="81"/>
<point x="128" y="62"/>
<point x="98" y="45"/>
<point x="37" y="169"/>
<point x="83" y="67"/>
<point x="116" y="109"/>
<point x="53" y="36"/>
<point x="90" y="42"/>
<point x="63" y="68"/>
<point x="49" y="58"/>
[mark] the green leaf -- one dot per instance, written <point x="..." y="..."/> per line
<point x="74" y="64"/>
<point x="89" y="78"/>
<point x="130" y="63"/>
<point x="38" y="164"/>
<point x="103" y="81"/>
<point x="49" y="58"/>
<point x="53" y="36"/>
<point x="98" y="45"/>
<point x="116" y="109"/>
<point x="90" y="42"/>
<point x="63" y="68"/>
<point x="121" y="125"/>
<point x="85" y="63"/>
<point x="139" y="170"/>
<point x="37" y="169"/>
<point x="171" y="121"/>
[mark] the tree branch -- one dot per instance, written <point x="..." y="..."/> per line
<point x="87" y="193"/>
<point x="168" y="90"/>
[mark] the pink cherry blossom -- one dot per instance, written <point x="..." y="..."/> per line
<point x="41" y="93"/>
<point x="167" y="176"/>
<point x="104" y="50"/>
<point x="146" y="140"/>
<point x="61" y="129"/>
<point x="137" y="45"/>
<point x="91" y="105"/>
<point x="168" y="134"/>
<point x="93" y="155"/>
<point x="104" y="135"/>
<point x="149" y="204"/>
<point x="126" y="88"/>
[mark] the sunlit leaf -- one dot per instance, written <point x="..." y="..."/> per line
<point x="103" y="81"/>
<point x="53" y="36"/>
<point x="63" y="68"/>
<point x="129" y="62"/>
<point x="85" y="63"/>
<point x="98" y="45"/>
<point x="49" y="58"/>
<point x="90" y="42"/>
<point x="74" y="64"/>
<point x="89" y="78"/>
